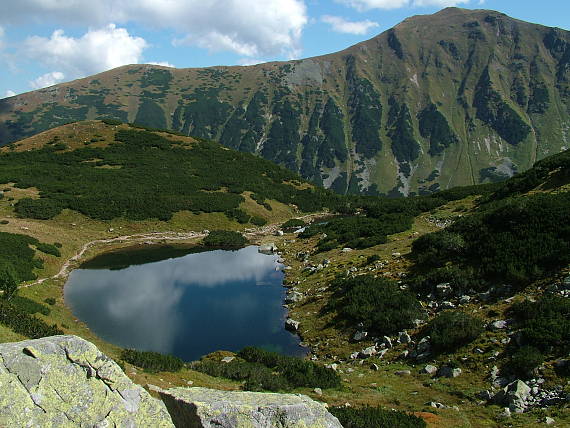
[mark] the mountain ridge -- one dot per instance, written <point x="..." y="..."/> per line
<point x="455" y="98"/>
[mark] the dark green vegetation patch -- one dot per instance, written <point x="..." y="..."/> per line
<point x="376" y="417"/>
<point x="497" y="113"/>
<point x="17" y="254"/>
<point x="377" y="303"/>
<point x="435" y="127"/>
<point x="22" y="322"/>
<point x="270" y="371"/>
<point x="152" y="361"/>
<point x="545" y="324"/>
<point x="144" y="175"/>
<point x="453" y="329"/>
<point x="516" y="240"/>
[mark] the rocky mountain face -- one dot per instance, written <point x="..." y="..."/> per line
<point x="454" y="98"/>
<point x="65" y="381"/>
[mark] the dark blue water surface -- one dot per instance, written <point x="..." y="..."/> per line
<point x="187" y="305"/>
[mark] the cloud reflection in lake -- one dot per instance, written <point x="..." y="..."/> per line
<point x="187" y="306"/>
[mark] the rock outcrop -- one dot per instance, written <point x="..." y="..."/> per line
<point x="64" y="381"/>
<point x="201" y="408"/>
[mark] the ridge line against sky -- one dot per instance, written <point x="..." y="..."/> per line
<point x="45" y="42"/>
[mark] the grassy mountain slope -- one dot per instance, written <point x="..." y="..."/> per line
<point x="455" y="98"/>
<point x="383" y="284"/>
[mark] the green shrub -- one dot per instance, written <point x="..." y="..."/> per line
<point x="297" y="372"/>
<point x="258" y="221"/>
<point x="377" y="303"/>
<point x="8" y="281"/>
<point x="201" y="177"/>
<point x="29" y="306"/>
<point x="257" y="377"/>
<point x="113" y="122"/>
<point x="523" y="361"/>
<point x="15" y="251"/>
<point x="152" y="361"/>
<point x="50" y="301"/>
<point x="372" y="259"/>
<point x="25" y="324"/>
<point x="545" y="324"/>
<point x="516" y="240"/>
<point x="4" y="222"/>
<point x="453" y="329"/>
<point x="48" y="249"/>
<point x="224" y="239"/>
<point x="375" y="417"/>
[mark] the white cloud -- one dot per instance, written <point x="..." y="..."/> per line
<point x="97" y="50"/>
<point x="341" y="25"/>
<point x="364" y="5"/>
<point x="9" y="93"/>
<point x="162" y="63"/>
<point x="48" y="79"/>
<point x="248" y="27"/>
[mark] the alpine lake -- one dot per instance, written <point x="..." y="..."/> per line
<point x="184" y="301"/>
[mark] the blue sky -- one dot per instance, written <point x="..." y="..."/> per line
<point x="44" y="42"/>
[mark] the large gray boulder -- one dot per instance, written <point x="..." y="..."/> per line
<point x="515" y="396"/>
<point x="207" y="408"/>
<point x="65" y="381"/>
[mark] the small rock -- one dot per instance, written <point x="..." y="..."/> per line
<point x="429" y="369"/>
<point x="449" y="372"/>
<point x="292" y="325"/>
<point x="374" y="367"/>
<point x="403" y="373"/>
<point x="396" y="255"/>
<point x="464" y="299"/>
<point x="443" y="289"/>
<point x="228" y="359"/>
<point x="368" y="352"/>
<point x="359" y="335"/>
<point x="447" y="305"/>
<point x="499" y="325"/>
<point x="318" y="391"/>
<point x="506" y="413"/>
<point x="548" y="420"/>
<point x="346" y="250"/>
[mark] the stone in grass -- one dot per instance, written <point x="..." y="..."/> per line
<point x="429" y="369"/>
<point x="449" y="372"/>
<point x="201" y="407"/>
<point x="359" y="335"/>
<point x="514" y="395"/>
<point x="292" y="325"/>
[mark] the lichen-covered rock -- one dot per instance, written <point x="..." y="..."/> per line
<point x="207" y="408"/>
<point x="65" y="381"/>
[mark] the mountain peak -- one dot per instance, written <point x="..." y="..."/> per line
<point x="455" y="98"/>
